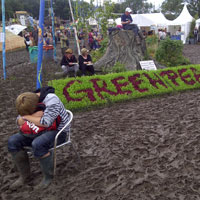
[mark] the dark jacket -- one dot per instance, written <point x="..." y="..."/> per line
<point x="65" y="61"/>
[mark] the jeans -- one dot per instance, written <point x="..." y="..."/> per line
<point x="67" y="69"/>
<point x="40" y="145"/>
<point x="133" y="27"/>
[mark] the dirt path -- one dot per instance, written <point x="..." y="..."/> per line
<point x="192" y="52"/>
<point x="139" y="150"/>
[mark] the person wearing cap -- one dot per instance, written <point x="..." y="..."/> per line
<point x="126" y="18"/>
<point x="85" y="62"/>
<point x="69" y="62"/>
<point x="126" y="21"/>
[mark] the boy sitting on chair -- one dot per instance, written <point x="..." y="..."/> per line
<point x="32" y="122"/>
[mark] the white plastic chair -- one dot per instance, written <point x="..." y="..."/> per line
<point x="68" y="141"/>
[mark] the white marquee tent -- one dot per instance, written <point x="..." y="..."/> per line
<point x="158" y="20"/>
<point x="183" y="21"/>
<point x="144" y="20"/>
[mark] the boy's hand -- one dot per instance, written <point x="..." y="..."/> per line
<point x="20" y="121"/>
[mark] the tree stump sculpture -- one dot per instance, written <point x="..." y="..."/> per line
<point x="124" y="47"/>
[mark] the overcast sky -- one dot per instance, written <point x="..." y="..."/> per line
<point x="157" y="3"/>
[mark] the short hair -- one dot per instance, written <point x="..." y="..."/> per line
<point x="26" y="103"/>
<point x="83" y="51"/>
<point x="69" y="51"/>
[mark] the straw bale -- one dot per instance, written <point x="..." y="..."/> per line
<point x="12" y="41"/>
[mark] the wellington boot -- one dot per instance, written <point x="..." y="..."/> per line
<point x="22" y="164"/>
<point x="46" y="165"/>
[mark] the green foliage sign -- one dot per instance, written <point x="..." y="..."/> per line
<point x="96" y="90"/>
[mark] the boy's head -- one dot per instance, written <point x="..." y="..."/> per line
<point x="26" y="103"/>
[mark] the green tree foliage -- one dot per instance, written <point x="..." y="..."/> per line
<point x="30" y="6"/>
<point x="194" y="7"/>
<point x="61" y="8"/>
<point x="172" y="8"/>
<point x="138" y="6"/>
<point x="191" y="34"/>
<point x="170" y="53"/>
<point x="103" y="14"/>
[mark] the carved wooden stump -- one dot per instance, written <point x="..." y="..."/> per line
<point x="124" y="47"/>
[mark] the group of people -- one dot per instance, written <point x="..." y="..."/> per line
<point x="94" y="39"/>
<point x="69" y="62"/>
<point x="162" y="34"/>
<point x="43" y="110"/>
<point x="31" y="38"/>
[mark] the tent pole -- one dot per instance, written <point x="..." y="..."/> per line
<point x="75" y="31"/>
<point x="3" y="39"/>
<point x="40" y="44"/>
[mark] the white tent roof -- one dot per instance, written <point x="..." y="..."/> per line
<point x="15" y="28"/>
<point x="141" y="20"/>
<point x="157" y="19"/>
<point x="183" y="18"/>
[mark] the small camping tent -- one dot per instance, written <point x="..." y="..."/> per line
<point x="12" y="41"/>
<point x="183" y="21"/>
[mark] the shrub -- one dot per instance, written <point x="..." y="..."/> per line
<point x="151" y="40"/>
<point x="96" y="55"/>
<point x="152" y="45"/>
<point x="170" y="53"/>
<point x="192" y="26"/>
<point x="118" y="67"/>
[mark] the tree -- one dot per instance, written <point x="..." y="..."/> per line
<point x="172" y="8"/>
<point x="138" y="6"/>
<point x="103" y="14"/>
<point x="194" y="7"/>
<point x="124" y="47"/>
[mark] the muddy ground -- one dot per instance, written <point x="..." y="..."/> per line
<point x="144" y="149"/>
